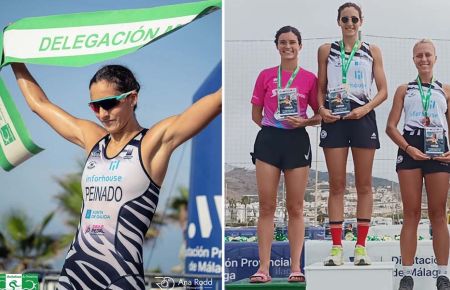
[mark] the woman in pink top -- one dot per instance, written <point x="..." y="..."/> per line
<point x="280" y="99"/>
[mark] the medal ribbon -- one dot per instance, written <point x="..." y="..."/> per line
<point x="291" y="79"/>
<point x="345" y="62"/>
<point x="425" y="97"/>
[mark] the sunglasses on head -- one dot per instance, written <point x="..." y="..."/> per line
<point x="345" y="19"/>
<point x="108" y="103"/>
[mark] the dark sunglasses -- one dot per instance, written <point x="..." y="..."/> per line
<point x="108" y="103"/>
<point x="345" y="19"/>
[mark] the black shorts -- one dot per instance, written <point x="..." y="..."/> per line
<point x="283" y="148"/>
<point x="362" y="133"/>
<point x="404" y="161"/>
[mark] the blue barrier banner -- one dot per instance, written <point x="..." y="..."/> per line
<point x="204" y="230"/>
<point x="241" y="260"/>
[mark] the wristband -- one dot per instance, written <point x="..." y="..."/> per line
<point x="320" y="108"/>
<point x="406" y="148"/>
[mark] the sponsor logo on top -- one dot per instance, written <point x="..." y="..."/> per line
<point x="114" y="165"/>
<point x="94" y="229"/>
<point x="90" y="165"/>
<point x="358" y="75"/>
<point x="128" y="153"/>
<point x="97" y="214"/>
<point x="274" y="93"/>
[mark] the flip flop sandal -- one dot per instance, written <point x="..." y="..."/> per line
<point x="260" y="277"/>
<point x="296" y="277"/>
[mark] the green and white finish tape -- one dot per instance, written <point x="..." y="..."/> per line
<point x="16" y="145"/>
<point x="77" y="40"/>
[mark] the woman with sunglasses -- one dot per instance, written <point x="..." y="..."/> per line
<point x="425" y="102"/>
<point x="283" y="144"/>
<point x="347" y="68"/>
<point x="121" y="180"/>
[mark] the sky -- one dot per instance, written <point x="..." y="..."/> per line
<point x="169" y="70"/>
<point x="394" y="26"/>
<point x="407" y="18"/>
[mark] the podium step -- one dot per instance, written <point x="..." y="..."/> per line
<point x="275" y="284"/>
<point x="350" y="277"/>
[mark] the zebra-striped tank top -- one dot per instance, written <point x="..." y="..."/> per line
<point x="119" y="200"/>
<point x="359" y="75"/>
<point x="413" y="108"/>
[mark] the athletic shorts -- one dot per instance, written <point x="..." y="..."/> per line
<point x="404" y="161"/>
<point x="361" y="133"/>
<point x="283" y="148"/>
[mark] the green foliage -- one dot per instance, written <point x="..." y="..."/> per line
<point x="24" y="245"/>
<point x="179" y="202"/>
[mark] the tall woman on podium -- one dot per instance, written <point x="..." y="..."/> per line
<point x="283" y="144"/>
<point x="347" y="69"/>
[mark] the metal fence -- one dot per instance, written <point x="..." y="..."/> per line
<point x="245" y="59"/>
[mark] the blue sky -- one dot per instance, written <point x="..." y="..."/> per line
<point x="169" y="70"/>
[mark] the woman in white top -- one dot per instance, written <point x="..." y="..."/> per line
<point x="425" y="104"/>
<point x="347" y="68"/>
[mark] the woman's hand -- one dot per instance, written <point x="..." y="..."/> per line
<point x="327" y="117"/>
<point x="416" y="154"/>
<point x="443" y="158"/>
<point x="296" y="122"/>
<point x="357" y="113"/>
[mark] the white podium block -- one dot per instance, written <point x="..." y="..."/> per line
<point x="350" y="277"/>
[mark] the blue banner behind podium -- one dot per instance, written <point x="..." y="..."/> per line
<point x="204" y="231"/>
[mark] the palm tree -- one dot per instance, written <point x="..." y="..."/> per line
<point x="245" y="200"/>
<point x="26" y="246"/>
<point x="70" y="201"/>
<point x="178" y="206"/>
<point x="5" y="253"/>
<point x="232" y="209"/>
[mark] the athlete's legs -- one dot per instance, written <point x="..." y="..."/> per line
<point x="267" y="179"/>
<point x="411" y="182"/>
<point x="336" y="159"/>
<point x="296" y="181"/>
<point x="363" y="162"/>
<point x="437" y="190"/>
